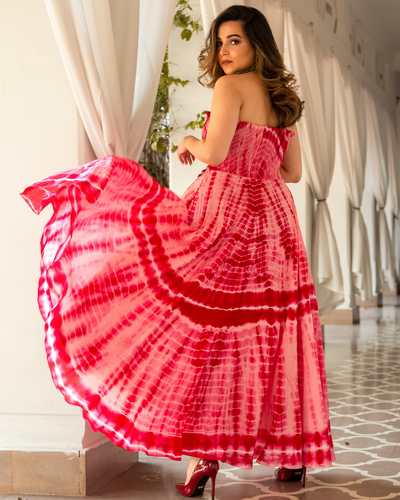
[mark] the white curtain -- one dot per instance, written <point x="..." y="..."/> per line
<point x="397" y="179"/>
<point x="312" y="66"/>
<point x="210" y="9"/>
<point x="392" y="165"/>
<point x="113" y="52"/>
<point x="375" y="156"/>
<point x="349" y="156"/>
<point x="398" y="128"/>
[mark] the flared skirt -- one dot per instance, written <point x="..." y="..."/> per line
<point x="184" y="325"/>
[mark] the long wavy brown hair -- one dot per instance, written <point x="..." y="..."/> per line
<point x="268" y="64"/>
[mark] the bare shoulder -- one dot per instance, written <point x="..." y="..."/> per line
<point x="226" y="82"/>
<point x="226" y="92"/>
<point x="243" y="80"/>
<point x="239" y="85"/>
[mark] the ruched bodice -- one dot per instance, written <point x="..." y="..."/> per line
<point x="256" y="151"/>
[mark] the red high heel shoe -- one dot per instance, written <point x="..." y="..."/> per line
<point x="283" y="474"/>
<point x="204" y="470"/>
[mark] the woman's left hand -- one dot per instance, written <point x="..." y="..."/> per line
<point x="184" y="155"/>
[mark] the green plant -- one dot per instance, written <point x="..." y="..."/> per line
<point x="155" y="154"/>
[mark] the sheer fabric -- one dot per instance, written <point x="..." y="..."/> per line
<point x="392" y="193"/>
<point x="316" y="132"/>
<point x="209" y="11"/>
<point x="349" y="156"/>
<point x="113" y="62"/>
<point x="375" y="155"/>
<point x="397" y="183"/>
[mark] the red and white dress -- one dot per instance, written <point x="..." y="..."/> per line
<point x="187" y="325"/>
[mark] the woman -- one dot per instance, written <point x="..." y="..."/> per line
<point x="190" y="326"/>
<point x="253" y="96"/>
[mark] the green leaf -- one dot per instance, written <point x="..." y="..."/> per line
<point x="186" y="35"/>
<point x="174" y="148"/>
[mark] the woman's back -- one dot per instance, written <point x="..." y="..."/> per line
<point x="256" y="102"/>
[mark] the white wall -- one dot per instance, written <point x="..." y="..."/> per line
<point x="187" y="101"/>
<point x="38" y="137"/>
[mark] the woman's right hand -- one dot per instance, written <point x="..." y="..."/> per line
<point x="184" y="155"/>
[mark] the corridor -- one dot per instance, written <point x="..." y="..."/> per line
<point x="363" y="369"/>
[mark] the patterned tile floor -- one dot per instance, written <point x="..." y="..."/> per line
<point x="363" y="368"/>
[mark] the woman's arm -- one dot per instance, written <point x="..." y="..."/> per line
<point x="225" y="110"/>
<point x="291" y="169"/>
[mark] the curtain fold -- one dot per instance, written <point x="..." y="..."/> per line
<point x="113" y="62"/>
<point x="392" y="192"/>
<point x="396" y="186"/>
<point x="349" y="156"/>
<point x="312" y="66"/>
<point x="375" y="155"/>
<point x="210" y="10"/>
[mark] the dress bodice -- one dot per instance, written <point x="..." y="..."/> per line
<point x="256" y="151"/>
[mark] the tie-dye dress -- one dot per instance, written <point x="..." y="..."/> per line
<point x="187" y="325"/>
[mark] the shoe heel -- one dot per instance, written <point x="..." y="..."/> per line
<point x="213" y="478"/>
<point x="304" y="476"/>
